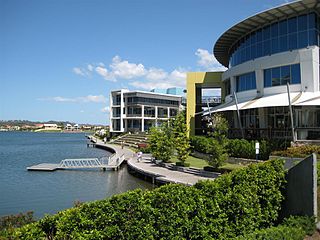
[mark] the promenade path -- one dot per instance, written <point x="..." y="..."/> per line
<point x="150" y="169"/>
<point x="163" y="174"/>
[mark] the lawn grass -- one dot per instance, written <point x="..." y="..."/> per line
<point x="200" y="163"/>
<point x="194" y="162"/>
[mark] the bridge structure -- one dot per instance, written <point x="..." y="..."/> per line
<point x="112" y="162"/>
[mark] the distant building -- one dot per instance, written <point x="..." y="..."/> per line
<point x="50" y="126"/>
<point x="137" y="111"/>
<point x="68" y="127"/>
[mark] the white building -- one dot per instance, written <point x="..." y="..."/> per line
<point x="263" y="53"/>
<point x="137" y="111"/>
<point x="50" y="126"/>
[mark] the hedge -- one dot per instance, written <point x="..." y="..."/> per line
<point x="293" y="228"/>
<point x="235" y="147"/>
<point x="234" y="204"/>
<point x="299" y="151"/>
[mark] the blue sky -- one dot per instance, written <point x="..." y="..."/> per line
<point x="59" y="59"/>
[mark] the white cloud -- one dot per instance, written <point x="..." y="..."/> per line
<point x="82" y="111"/>
<point x="105" y="109"/>
<point x="156" y="74"/>
<point x="90" y="67"/>
<point x="207" y="61"/>
<point x="148" y="78"/>
<point x="126" y="70"/>
<point x="93" y="98"/>
<point x="85" y="99"/>
<point x="177" y="78"/>
<point x="79" y="71"/>
<point x="102" y="71"/>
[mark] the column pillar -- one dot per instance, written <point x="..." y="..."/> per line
<point x="156" y="116"/>
<point x="142" y="118"/>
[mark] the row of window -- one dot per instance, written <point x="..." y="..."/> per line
<point x="246" y="82"/>
<point x="152" y="101"/>
<point x="272" y="77"/>
<point x="289" y="34"/>
<point x="282" y="75"/>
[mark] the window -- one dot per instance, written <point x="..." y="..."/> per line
<point x="267" y="78"/>
<point x="295" y="74"/>
<point x="227" y="87"/>
<point x="289" y="34"/>
<point x="246" y="82"/>
<point x="282" y="75"/>
<point x="275" y="76"/>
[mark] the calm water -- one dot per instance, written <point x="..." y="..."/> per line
<point x="49" y="192"/>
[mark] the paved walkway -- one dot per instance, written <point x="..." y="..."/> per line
<point x="146" y="167"/>
<point x="163" y="174"/>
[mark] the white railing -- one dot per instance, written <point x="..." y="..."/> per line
<point x="104" y="162"/>
<point x="81" y="163"/>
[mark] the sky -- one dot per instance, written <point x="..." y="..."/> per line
<point x="59" y="59"/>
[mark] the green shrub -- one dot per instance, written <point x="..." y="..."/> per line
<point x="292" y="228"/>
<point x="235" y="204"/>
<point x="304" y="222"/>
<point x="182" y="164"/>
<point x="274" y="233"/>
<point x="246" y="149"/>
<point x="299" y="151"/>
<point x="201" y="144"/>
<point x="235" y="147"/>
<point x="10" y="222"/>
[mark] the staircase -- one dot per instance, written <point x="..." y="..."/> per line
<point x="132" y="140"/>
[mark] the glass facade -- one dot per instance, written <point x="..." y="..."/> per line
<point x="289" y="34"/>
<point x="152" y="101"/>
<point x="282" y="75"/>
<point x="246" y="82"/>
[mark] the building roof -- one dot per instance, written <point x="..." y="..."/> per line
<point x="150" y="93"/>
<point x="222" y="48"/>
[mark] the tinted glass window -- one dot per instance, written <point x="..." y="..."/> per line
<point x="313" y="37"/>
<point x="283" y="28"/>
<point x="302" y="39"/>
<point x="246" y="82"/>
<point x="276" y="76"/>
<point x="285" y="75"/>
<point x="312" y="20"/>
<point x="267" y="78"/>
<point x="292" y="25"/>
<point x="266" y="33"/>
<point x="295" y="74"/>
<point x="274" y="30"/>
<point x="288" y="34"/>
<point x="302" y="23"/>
<point x="293" y="42"/>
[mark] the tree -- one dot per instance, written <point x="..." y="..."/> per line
<point x="161" y="143"/>
<point x="218" y="150"/>
<point x="181" y="139"/>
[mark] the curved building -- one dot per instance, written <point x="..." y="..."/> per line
<point x="264" y="53"/>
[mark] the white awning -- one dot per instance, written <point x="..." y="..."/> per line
<point x="276" y="100"/>
<point x="309" y="99"/>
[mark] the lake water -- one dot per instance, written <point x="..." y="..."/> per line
<point x="50" y="192"/>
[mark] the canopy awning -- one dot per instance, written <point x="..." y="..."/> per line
<point x="309" y="99"/>
<point x="277" y="100"/>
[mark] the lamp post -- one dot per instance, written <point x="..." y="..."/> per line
<point x="257" y="150"/>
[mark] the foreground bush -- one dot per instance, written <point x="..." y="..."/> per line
<point x="293" y="228"/>
<point x="10" y="222"/>
<point x="232" y="205"/>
